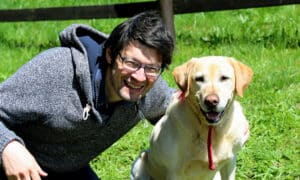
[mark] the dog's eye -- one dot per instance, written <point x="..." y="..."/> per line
<point x="224" y="78"/>
<point x="200" y="78"/>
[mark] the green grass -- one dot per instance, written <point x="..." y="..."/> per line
<point x="267" y="39"/>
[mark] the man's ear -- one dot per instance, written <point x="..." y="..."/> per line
<point x="243" y="76"/>
<point x="108" y="56"/>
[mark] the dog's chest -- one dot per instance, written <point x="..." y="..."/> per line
<point x="222" y="150"/>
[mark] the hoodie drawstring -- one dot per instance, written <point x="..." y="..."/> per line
<point x="86" y="112"/>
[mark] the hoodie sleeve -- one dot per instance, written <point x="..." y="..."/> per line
<point x="6" y="136"/>
<point x="157" y="100"/>
<point x="26" y="97"/>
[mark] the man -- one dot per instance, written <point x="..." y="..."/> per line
<point x="70" y="103"/>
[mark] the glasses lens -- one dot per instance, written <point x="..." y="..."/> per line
<point x="132" y="65"/>
<point x="152" y="71"/>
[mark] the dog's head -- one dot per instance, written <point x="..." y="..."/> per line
<point x="211" y="83"/>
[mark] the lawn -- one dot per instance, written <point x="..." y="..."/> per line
<point x="266" y="39"/>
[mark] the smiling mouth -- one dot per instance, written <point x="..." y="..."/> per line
<point x="213" y="117"/>
<point x="132" y="86"/>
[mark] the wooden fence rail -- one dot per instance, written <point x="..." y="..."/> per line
<point x="76" y="12"/>
<point x="167" y="7"/>
<point x="129" y="9"/>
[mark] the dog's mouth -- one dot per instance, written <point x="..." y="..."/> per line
<point x="213" y="117"/>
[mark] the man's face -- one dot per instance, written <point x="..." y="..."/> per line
<point x="123" y="83"/>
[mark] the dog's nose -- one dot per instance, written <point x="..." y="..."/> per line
<point x="211" y="100"/>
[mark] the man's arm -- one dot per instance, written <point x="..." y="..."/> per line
<point x="157" y="100"/>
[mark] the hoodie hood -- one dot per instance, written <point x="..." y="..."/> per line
<point x="83" y="56"/>
<point x="69" y="37"/>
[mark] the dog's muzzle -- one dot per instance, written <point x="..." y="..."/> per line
<point x="210" y="111"/>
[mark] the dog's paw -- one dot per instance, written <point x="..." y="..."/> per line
<point x="138" y="169"/>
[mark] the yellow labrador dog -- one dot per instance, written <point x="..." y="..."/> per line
<point x="204" y="126"/>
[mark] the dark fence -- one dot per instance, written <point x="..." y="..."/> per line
<point x="167" y="7"/>
<point x="129" y="9"/>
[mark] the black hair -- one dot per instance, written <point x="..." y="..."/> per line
<point x="148" y="29"/>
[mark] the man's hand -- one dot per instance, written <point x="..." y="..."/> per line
<point x="18" y="163"/>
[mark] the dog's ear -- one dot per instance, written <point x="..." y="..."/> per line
<point x="243" y="76"/>
<point x="180" y="74"/>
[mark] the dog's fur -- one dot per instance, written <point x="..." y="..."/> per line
<point x="178" y="146"/>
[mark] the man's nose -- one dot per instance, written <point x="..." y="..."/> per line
<point x="139" y="74"/>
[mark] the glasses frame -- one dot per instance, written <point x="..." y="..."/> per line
<point x="125" y="59"/>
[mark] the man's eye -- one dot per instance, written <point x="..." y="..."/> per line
<point x="132" y="64"/>
<point x="152" y="69"/>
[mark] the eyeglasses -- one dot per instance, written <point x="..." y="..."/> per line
<point x="133" y="65"/>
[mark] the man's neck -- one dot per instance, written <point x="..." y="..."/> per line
<point x="110" y="92"/>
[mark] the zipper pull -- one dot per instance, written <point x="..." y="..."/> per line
<point x="86" y="112"/>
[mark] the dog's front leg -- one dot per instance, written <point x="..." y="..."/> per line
<point x="228" y="170"/>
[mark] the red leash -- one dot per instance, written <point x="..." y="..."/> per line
<point x="212" y="166"/>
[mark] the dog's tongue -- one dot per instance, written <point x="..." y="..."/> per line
<point x="211" y="163"/>
<point x="213" y="116"/>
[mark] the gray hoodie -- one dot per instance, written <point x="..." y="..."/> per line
<point x="45" y="106"/>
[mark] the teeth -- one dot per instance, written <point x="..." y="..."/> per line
<point x="133" y="86"/>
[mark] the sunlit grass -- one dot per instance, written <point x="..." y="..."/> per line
<point x="267" y="39"/>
